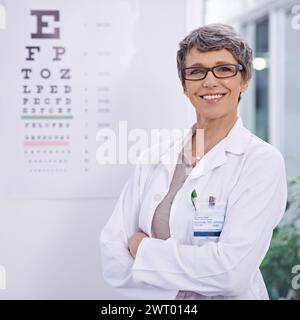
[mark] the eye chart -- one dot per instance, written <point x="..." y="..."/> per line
<point x="66" y="72"/>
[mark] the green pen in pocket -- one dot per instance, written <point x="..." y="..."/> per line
<point x="194" y="198"/>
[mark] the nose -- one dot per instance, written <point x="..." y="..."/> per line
<point x="210" y="80"/>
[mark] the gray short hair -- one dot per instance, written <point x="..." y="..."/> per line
<point x="216" y="36"/>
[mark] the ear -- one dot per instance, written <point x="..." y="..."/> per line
<point x="244" y="85"/>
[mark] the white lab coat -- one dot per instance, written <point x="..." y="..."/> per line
<point x="242" y="171"/>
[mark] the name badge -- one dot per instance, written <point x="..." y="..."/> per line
<point x="208" y="220"/>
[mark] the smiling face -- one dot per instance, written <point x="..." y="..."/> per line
<point x="214" y="98"/>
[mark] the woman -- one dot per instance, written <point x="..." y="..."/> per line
<point x="200" y="228"/>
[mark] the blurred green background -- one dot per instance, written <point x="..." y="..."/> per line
<point x="284" y="252"/>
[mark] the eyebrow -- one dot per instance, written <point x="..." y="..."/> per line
<point x="198" y="64"/>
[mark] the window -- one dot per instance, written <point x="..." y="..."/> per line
<point x="261" y="78"/>
<point x="292" y="100"/>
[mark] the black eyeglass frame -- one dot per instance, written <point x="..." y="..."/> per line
<point x="238" y="67"/>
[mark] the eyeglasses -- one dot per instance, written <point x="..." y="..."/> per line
<point x="220" y="72"/>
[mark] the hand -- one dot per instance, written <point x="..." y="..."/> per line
<point x="134" y="242"/>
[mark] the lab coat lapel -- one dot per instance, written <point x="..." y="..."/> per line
<point x="235" y="142"/>
<point x="213" y="159"/>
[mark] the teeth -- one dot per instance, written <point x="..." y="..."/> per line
<point x="212" y="97"/>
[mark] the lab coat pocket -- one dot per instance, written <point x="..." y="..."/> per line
<point x="207" y="222"/>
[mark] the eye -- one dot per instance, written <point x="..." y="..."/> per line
<point x="195" y="71"/>
<point x="225" y="68"/>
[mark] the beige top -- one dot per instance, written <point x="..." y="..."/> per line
<point x="160" y="224"/>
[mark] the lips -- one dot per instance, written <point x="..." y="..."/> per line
<point x="213" y="97"/>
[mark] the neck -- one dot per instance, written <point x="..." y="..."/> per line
<point x="214" y="130"/>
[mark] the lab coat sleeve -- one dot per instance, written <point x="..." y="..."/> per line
<point x="123" y="223"/>
<point x="255" y="206"/>
<point x="116" y="259"/>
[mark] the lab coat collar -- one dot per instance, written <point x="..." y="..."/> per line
<point x="237" y="138"/>
<point x="235" y="142"/>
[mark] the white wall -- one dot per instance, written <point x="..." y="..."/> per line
<point x="50" y="248"/>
